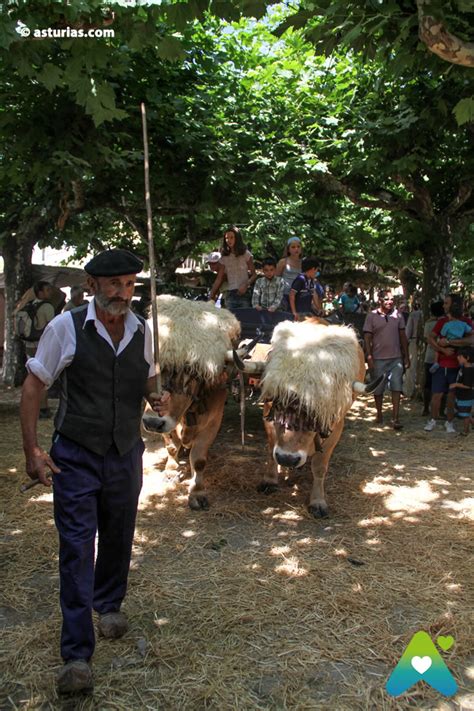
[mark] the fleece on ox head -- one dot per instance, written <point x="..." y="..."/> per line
<point x="314" y="366"/>
<point x="194" y="335"/>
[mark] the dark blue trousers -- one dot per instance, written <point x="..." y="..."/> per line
<point x="93" y="494"/>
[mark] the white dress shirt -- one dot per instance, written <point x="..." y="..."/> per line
<point x="57" y="344"/>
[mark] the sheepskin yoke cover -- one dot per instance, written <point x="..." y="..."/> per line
<point x="194" y="337"/>
<point x="310" y="373"/>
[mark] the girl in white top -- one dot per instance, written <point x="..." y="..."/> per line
<point x="236" y="264"/>
<point x="289" y="267"/>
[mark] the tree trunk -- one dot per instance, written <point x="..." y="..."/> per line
<point x="437" y="268"/>
<point x="17" y="250"/>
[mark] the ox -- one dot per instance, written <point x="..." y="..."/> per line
<point x="309" y="382"/>
<point x="195" y="340"/>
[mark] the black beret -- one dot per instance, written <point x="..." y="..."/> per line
<point x="114" y="262"/>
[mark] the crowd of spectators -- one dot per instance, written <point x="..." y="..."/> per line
<point x="394" y="334"/>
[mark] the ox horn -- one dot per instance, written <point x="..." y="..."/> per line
<point x="359" y="387"/>
<point x="250" y="366"/>
<point x="244" y="349"/>
<point x="229" y="356"/>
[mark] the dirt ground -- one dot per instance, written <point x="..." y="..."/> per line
<point x="255" y="604"/>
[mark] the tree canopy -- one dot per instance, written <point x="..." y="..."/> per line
<point x="365" y="153"/>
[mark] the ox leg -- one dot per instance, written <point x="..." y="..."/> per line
<point x="319" y="466"/>
<point x="206" y="433"/>
<point x="269" y="483"/>
<point x="173" y="446"/>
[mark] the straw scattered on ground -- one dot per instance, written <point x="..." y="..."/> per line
<point x="255" y="604"/>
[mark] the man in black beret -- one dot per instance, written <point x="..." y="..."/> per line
<point x="102" y="353"/>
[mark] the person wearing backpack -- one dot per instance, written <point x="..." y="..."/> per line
<point x="30" y="321"/>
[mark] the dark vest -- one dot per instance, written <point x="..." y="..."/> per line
<point x="101" y="393"/>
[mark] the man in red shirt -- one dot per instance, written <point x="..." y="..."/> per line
<point x="449" y="366"/>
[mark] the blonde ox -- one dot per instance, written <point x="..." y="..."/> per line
<point x="195" y="339"/>
<point x="308" y="387"/>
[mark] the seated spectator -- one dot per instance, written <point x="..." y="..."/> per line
<point x="236" y="264"/>
<point x="331" y="302"/>
<point x="348" y="300"/>
<point x="268" y="290"/>
<point x="306" y="293"/>
<point x="289" y="267"/>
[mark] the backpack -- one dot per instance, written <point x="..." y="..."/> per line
<point x="25" y="320"/>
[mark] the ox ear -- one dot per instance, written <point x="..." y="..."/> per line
<point x="250" y="366"/>
<point x="359" y="387"/>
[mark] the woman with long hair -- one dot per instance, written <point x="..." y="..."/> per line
<point x="236" y="265"/>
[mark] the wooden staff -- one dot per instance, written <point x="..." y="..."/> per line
<point x="151" y="255"/>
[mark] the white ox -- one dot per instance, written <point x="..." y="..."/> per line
<point x="195" y="340"/>
<point x="309" y="383"/>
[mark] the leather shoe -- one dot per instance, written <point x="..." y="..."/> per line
<point x="75" y="677"/>
<point x="113" y="625"/>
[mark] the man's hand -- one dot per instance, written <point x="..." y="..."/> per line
<point x="258" y="308"/>
<point x="406" y="362"/>
<point x="243" y="288"/>
<point x="39" y="464"/>
<point x="447" y="351"/>
<point x="272" y="309"/>
<point x="160" y="403"/>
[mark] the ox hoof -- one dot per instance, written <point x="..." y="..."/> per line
<point x="318" y="510"/>
<point x="267" y="488"/>
<point x="199" y="503"/>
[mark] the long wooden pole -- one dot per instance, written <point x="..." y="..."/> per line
<point x="151" y="255"/>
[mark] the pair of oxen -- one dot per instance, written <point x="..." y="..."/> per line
<point x="309" y="381"/>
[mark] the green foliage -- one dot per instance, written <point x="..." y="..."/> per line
<point x="385" y="31"/>
<point x="464" y="111"/>
<point x="243" y="127"/>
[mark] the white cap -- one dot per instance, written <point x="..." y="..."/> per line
<point x="212" y="258"/>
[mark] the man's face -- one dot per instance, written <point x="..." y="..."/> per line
<point x="386" y="303"/>
<point x="113" y="294"/>
<point x="269" y="271"/>
<point x="46" y="293"/>
<point x="77" y="297"/>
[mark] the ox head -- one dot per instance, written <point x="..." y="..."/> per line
<point x="292" y="448"/>
<point x="297" y="432"/>
<point x="178" y="406"/>
<point x="187" y="398"/>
